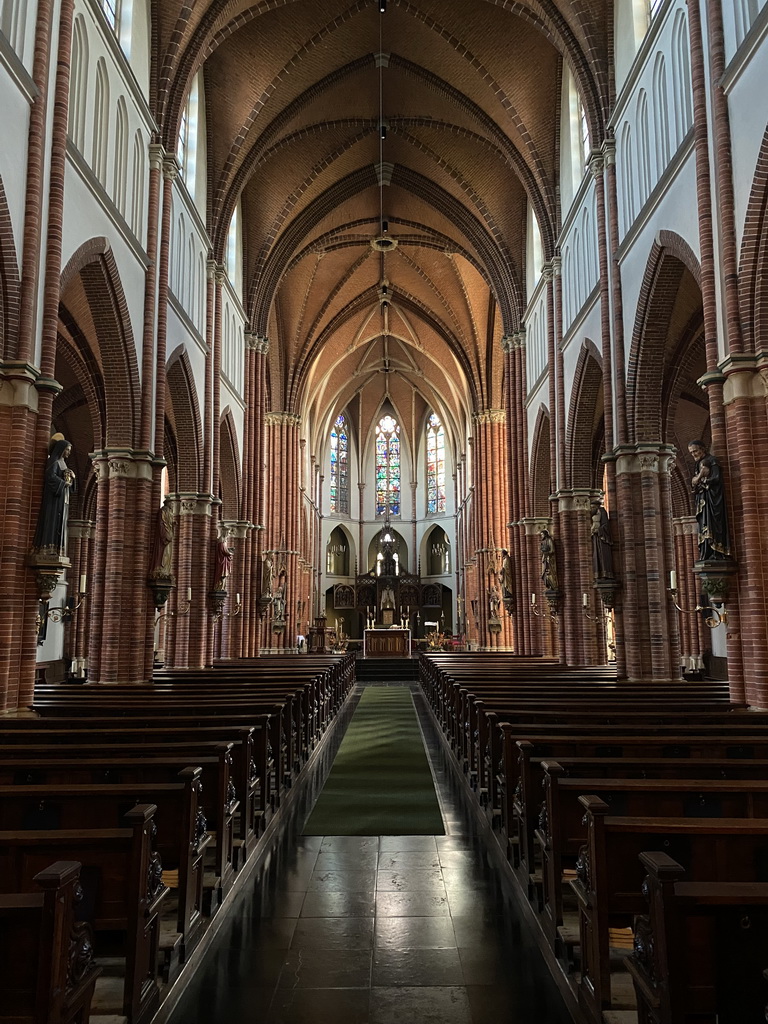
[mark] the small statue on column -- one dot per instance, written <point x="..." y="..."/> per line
<point x="602" y="544"/>
<point x="709" y="504"/>
<point x="548" y="560"/>
<point x="162" y="547"/>
<point x="59" y="483"/>
<point x="223" y="565"/>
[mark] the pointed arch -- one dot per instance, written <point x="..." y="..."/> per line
<point x="112" y="340"/>
<point x="670" y="258"/>
<point x="584" y="434"/>
<point x="9" y="281"/>
<point x="183" y="412"/>
<point x="753" y="276"/>
<point x="541" y="464"/>
<point x="229" y="466"/>
<point x="339" y="466"/>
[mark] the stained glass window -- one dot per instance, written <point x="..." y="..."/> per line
<point x="339" y="467"/>
<point x="387" y="467"/>
<point x="435" y="465"/>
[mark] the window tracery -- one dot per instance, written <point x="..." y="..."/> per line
<point x="387" y="467"/>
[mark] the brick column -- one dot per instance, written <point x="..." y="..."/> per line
<point x="282" y="525"/>
<point x="693" y="639"/>
<point x="490" y="490"/>
<point x="121" y="612"/>
<point x="81" y="534"/>
<point x="543" y="626"/>
<point x="648" y="631"/>
<point x="190" y="626"/>
<point x="228" y="630"/>
<point x="584" y="637"/>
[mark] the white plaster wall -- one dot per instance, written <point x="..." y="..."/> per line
<point x="13" y="151"/>
<point x="744" y="80"/>
<point x="675" y="211"/>
<point x="579" y="255"/>
<point x="653" y="114"/>
<point x="738" y="18"/>
<point x="536" y="335"/>
<point x="89" y="214"/>
<point x="178" y="333"/>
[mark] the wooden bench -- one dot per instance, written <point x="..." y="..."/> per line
<point x="561" y="831"/>
<point x="47" y="972"/>
<point x="180" y="843"/>
<point x="251" y="756"/>
<point x="700" y="951"/>
<point x="610" y="875"/>
<point x="123" y="892"/>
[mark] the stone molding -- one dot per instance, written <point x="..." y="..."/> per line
<point x="186" y="504"/>
<point x="577" y="500"/>
<point x="122" y="464"/>
<point x="490" y="416"/>
<point x="273" y="419"/>
<point x="258" y="343"/>
<point x="237" y="529"/>
<point x="81" y="529"/>
<point x="685" y="526"/>
<point x="535" y="525"/>
<point x="19" y="385"/>
<point x="644" y="458"/>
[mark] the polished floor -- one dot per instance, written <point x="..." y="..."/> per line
<point x="375" y="930"/>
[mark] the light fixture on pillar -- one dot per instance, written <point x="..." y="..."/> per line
<point x="718" y="616"/>
<point x="63" y="612"/>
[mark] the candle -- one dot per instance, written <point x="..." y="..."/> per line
<point x="83" y="581"/>
<point x="533" y="599"/>
<point x="585" y="600"/>
<point x="189" y="593"/>
<point x="673" y="580"/>
<point x="237" y="599"/>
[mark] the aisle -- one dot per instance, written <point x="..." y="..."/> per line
<point x="375" y="930"/>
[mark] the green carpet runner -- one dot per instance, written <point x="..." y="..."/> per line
<point x="380" y="783"/>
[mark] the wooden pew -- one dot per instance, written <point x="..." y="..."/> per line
<point x="251" y="767"/>
<point x="561" y="831"/>
<point x="530" y="794"/>
<point x="700" y="950"/>
<point x="123" y="892"/>
<point x="609" y="877"/>
<point x="47" y="972"/>
<point x="181" y="838"/>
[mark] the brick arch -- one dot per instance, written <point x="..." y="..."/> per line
<point x="504" y="282"/>
<point x="9" y="282"/>
<point x="580" y="436"/>
<point x="670" y="256"/>
<point x="229" y="467"/>
<point x="536" y="184"/>
<point x="753" y="271"/>
<point x="94" y="263"/>
<point x="541" y="464"/>
<point x="85" y="434"/>
<point x="186" y="426"/>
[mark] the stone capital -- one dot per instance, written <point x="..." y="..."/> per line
<point x="490" y="416"/>
<point x="82" y="529"/>
<point x="577" y="499"/>
<point x="273" y="419"/>
<point x="258" y="343"/>
<point x="189" y="504"/>
<point x="122" y="463"/>
<point x="19" y="385"/>
<point x="171" y="167"/>
<point x="644" y="458"/>
<point x="156" y="156"/>
<point x="534" y="526"/>
<point x="596" y="164"/>
<point x="234" y="528"/>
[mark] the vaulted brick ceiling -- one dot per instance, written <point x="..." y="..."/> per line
<point x="296" y="93"/>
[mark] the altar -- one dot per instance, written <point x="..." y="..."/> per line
<point x="387" y="643"/>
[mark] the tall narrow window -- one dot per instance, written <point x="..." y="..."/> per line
<point x="435" y="465"/>
<point x="387" y="467"/>
<point x="340" y="467"/>
<point x="111" y="13"/>
<point x="186" y="147"/>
